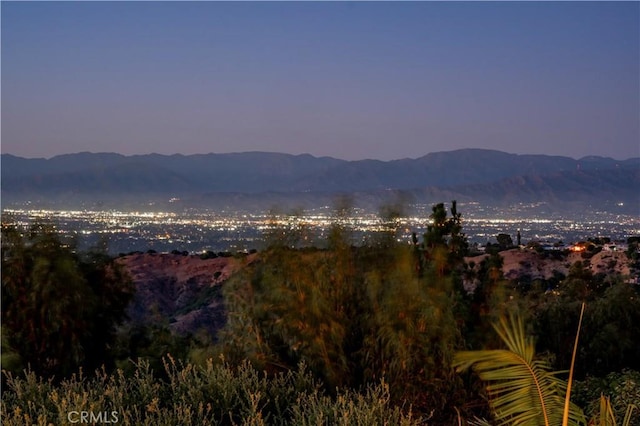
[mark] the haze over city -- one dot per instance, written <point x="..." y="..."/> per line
<point x="343" y="79"/>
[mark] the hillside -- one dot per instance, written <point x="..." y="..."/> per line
<point x="186" y="291"/>
<point x="527" y="263"/>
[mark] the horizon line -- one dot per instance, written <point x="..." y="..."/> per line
<point x="306" y="154"/>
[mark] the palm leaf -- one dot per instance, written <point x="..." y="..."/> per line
<point x="606" y="416"/>
<point x="522" y="390"/>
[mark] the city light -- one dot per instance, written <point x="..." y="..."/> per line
<point x="201" y="230"/>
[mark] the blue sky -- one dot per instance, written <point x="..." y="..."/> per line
<point x="345" y="79"/>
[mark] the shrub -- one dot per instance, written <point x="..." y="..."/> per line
<point x="60" y="307"/>
<point x="213" y="394"/>
<point x="623" y="388"/>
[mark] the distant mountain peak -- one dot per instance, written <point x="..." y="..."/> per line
<point x="95" y="175"/>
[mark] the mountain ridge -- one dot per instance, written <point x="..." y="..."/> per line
<point x="467" y="173"/>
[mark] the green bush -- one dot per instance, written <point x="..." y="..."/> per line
<point x="213" y="394"/>
<point x="623" y="388"/>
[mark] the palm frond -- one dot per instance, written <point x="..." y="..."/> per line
<point x="522" y="389"/>
<point x="606" y="416"/>
<point x="479" y="422"/>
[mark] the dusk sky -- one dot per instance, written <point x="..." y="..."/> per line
<point x="349" y="80"/>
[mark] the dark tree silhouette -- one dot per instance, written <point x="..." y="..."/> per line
<point x="505" y="241"/>
<point x="444" y="244"/>
<point x="59" y="309"/>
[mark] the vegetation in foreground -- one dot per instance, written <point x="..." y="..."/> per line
<point x="340" y="335"/>
<point x="213" y="394"/>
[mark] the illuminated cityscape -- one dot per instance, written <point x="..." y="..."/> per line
<point x="202" y="230"/>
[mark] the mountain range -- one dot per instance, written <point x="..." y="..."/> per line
<point x="258" y="179"/>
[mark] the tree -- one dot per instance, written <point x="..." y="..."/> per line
<point x="610" y="333"/>
<point x="59" y="308"/>
<point x="444" y="244"/>
<point x="289" y="307"/>
<point x="354" y="315"/>
<point x="487" y="302"/>
<point x="505" y="241"/>
<point x="633" y="250"/>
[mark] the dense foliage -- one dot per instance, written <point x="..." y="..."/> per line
<point x="355" y="314"/>
<point x="59" y="308"/>
<point x="610" y="336"/>
<point x="341" y="334"/>
<point x="622" y="387"/>
<point x="214" y="394"/>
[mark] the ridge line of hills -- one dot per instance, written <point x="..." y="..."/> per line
<point x="467" y="174"/>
